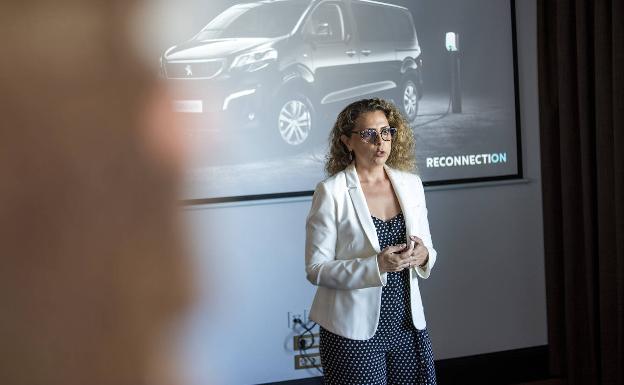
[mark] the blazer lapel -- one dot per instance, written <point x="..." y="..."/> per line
<point x="361" y="208"/>
<point x="404" y="196"/>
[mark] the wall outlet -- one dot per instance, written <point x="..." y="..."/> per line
<point x="307" y="338"/>
<point x="301" y="315"/>
<point x="308" y="361"/>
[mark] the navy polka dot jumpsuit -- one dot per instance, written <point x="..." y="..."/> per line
<point x="398" y="353"/>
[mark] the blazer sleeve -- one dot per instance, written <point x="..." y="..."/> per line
<point x="423" y="223"/>
<point x="322" y="267"/>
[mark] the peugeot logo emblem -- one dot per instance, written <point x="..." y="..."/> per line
<point x="189" y="70"/>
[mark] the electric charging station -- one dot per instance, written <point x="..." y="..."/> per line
<point x="452" y="47"/>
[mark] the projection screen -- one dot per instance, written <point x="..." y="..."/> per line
<point x="258" y="86"/>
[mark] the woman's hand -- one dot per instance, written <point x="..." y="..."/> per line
<point x="399" y="257"/>
<point x="395" y="258"/>
<point x="420" y="254"/>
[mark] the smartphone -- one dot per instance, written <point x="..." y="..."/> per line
<point x="407" y="245"/>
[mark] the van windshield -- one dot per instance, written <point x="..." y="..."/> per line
<point x="254" y="20"/>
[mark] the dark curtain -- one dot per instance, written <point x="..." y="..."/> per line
<point x="581" y="91"/>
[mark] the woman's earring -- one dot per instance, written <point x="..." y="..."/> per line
<point x="350" y="156"/>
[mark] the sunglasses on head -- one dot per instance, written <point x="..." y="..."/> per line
<point x="369" y="135"/>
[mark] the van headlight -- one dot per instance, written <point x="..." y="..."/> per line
<point x="254" y="60"/>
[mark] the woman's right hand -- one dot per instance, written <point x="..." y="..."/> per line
<point x="395" y="258"/>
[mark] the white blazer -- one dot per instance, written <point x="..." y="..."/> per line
<point x="341" y="252"/>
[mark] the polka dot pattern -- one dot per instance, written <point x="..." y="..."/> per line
<point x="398" y="353"/>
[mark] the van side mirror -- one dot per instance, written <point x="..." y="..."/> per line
<point x="322" y="31"/>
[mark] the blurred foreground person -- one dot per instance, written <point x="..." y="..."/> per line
<point x="92" y="273"/>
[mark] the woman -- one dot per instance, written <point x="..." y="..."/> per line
<point x="367" y="241"/>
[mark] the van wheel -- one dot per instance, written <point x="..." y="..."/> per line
<point x="295" y="115"/>
<point x="408" y="100"/>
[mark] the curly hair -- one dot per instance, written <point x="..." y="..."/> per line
<point x="402" y="155"/>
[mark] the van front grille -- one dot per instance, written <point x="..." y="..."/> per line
<point x="205" y="69"/>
